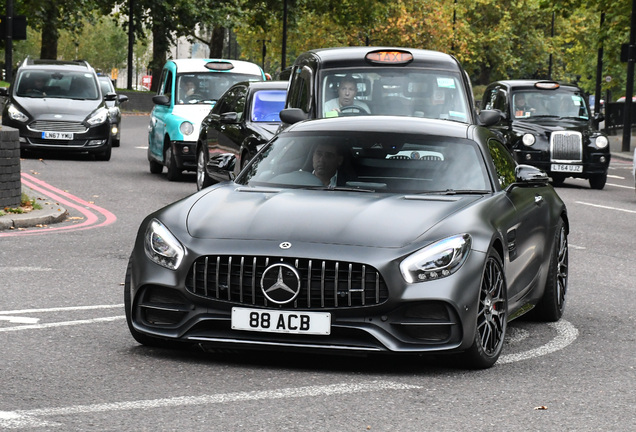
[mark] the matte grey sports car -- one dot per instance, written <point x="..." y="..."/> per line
<point x="360" y="235"/>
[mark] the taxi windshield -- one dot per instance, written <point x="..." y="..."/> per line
<point x="549" y="103"/>
<point x="207" y="87"/>
<point x="394" y="91"/>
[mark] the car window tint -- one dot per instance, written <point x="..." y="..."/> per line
<point x="388" y="162"/>
<point x="504" y="163"/>
<point x="267" y="104"/>
<point x="300" y="89"/>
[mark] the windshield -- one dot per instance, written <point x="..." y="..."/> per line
<point x="267" y="105"/>
<point x="107" y="86"/>
<point x="394" y="91"/>
<point x="207" y="87"/>
<point x="542" y="103"/>
<point x="57" y="84"/>
<point x="379" y="162"/>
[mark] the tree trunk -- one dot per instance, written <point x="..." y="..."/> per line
<point x="160" y="47"/>
<point x="216" y="42"/>
<point x="50" y="33"/>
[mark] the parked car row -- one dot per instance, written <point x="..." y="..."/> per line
<point x="397" y="219"/>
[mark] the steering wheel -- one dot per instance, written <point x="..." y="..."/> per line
<point x="355" y="109"/>
<point x="194" y="96"/>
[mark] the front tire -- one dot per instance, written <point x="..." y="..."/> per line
<point x="203" y="180"/>
<point x="173" y="173"/>
<point x="104" y="155"/>
<point x="551" y="306"/>
<point x="597" y="181"/>
<point x="492" y="316"/>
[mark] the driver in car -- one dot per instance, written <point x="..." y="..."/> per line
<point x="347" y="91"/>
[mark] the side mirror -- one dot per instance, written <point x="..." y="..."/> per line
<point x="530" y="175"/>
<point x="229" y="118"/>
<point x="161" y="100"/>
<point x="490" y="117"/>
<point x="224" y="164"/>
<point x="122" y="98"/>
<point x="110" y="96"/>
<point x="292" y="115"/>
<point x="4" y="91"/>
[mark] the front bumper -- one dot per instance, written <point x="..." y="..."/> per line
<point x="185" y="154"/>
<point x="94" y="139"/>
<point x="592" y="164"/>
<point x="430" y="317"/>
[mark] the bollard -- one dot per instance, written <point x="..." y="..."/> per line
<point x="10" y="182"/>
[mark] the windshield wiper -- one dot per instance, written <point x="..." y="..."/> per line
<point x="457" y="192"/>
<point x="341" y="188"/>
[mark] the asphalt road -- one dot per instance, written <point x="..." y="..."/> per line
<point x="68" y="363"/>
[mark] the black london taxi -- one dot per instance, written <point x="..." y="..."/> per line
<point x="349" y="81"/>
<point x="549" y="125"/>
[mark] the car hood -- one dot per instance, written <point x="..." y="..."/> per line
<point x="58" y="109"/>
<point x="266" y="130"/>
<point x="194" y="113"/>
<point x="548" y="125"/>
<point x="230" y="211"/>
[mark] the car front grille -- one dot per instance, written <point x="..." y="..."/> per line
<point x="566" y="146"/>
<point x="323" y="284"/>
<point x="57" y="126"/>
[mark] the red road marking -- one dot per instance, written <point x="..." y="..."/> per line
<point x="92" y="219"/>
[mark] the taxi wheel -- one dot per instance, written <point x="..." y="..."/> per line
<point x="597" y="181"/>
<point x="174" y="173"/>
<point x="557" y="179"/>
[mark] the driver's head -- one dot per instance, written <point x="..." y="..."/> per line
<point x="326" y="160"/>
<point x="347" y="91"/>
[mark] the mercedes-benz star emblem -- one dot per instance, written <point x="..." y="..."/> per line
<point x="285" y="245"/>
<point x="280" y="283"/>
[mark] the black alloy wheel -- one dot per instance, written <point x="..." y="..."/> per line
<point x="492" y="316"/>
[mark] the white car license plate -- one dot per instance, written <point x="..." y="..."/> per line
<point x="566" y="168"/>
<point x="57" y="135"/>
<point x="273" y="321"/>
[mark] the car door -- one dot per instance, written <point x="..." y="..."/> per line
<point x="159" y="116"/>
<point x="232" y="120"/>
<point x="526" y="227"/>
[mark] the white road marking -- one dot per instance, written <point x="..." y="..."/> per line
<point x="25" y="269"/>
<point x="31" y="418"/>
<point x="619" y="186"/>
<point x="61" y="309"/>
<point x="60" y="324"/>
<point x="566" y="334"/>
<point x="571" y="246"/>
<point x="605" y="207"/>
<point x="616" y="177"/>
<point x="19" y="320"/>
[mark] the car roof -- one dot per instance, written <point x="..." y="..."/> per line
<point x="199" y="65"/>
<point x="30" y="63"/>
<point x="264" y="85"/>
<point x="352" y="56"/>
<point x="384" y="124"/>
<point x="529" y="84"/>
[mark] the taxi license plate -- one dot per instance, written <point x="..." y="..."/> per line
<point x="57" y="135"/>
<point x="273" y="321"/>
<point x="566" y="168"/>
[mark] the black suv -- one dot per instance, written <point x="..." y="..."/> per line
<point x="380" y="81"/>
<point x="58" y="106"/>
<point x="548" y="124"/>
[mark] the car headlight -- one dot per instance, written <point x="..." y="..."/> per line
<point x="438" y="260"/>
<point x="98" y="117"/>
<point x="601" y="141"/>
<point x="186" y="128"/>
<point x="529" y="140"/>
<point x="162" y="247"/>
<point x="16" y="114"/>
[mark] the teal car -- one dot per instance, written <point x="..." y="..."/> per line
<point x="188" y="90"/>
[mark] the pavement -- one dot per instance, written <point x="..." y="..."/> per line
<point x="51" y="212"/>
